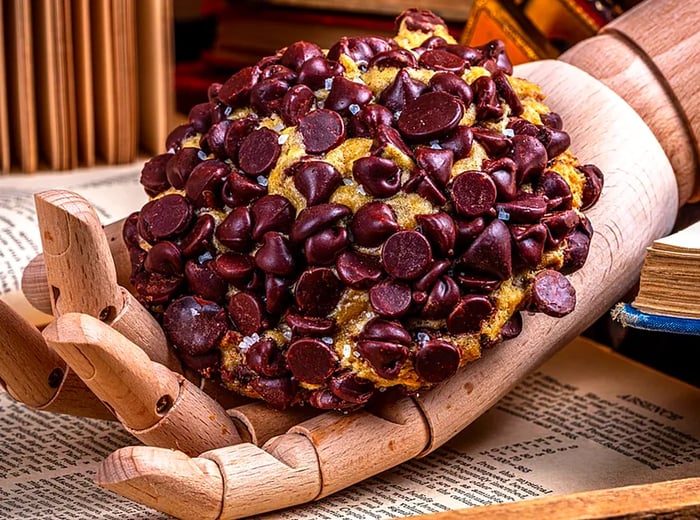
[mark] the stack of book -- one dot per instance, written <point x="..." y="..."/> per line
<point x="83" y="82"/>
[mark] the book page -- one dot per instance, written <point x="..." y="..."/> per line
<point x="114" y="192"/>
<point x="681" y="241"/>
<point x="587" y="419"/>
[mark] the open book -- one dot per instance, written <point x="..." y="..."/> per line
<point x="564" y="429"/>
<point x="668" y="298"/>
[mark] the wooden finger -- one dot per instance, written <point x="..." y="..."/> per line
<point x="158" y="406"/>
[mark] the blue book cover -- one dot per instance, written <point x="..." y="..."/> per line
<point x="628" y="316"/>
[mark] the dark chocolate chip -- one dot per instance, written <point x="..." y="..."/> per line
<point x="178" y="169"/>
<point x="316" y="180"/>
<point x="275" y="255"/>
<point x="346" y="97"/>
<point x="351" y="388"/>
<point x="277" y="293"/>
<point x="235" y="268"/>
<point x="194" y="325"/>
<point x="324" y="247"/>
<point x="379" y="177"/>
<point x="236" y="131"/>
<point x="442" y="60"/>
<point x="503" y="172"/>
<point x="235" y="230"/>
<point x="401" y="91"/>
<point x="556" y="191"/>
<point x="395" y="58"/>
<point x="469" y="314"/>
<point x="358" y="270"/>
<point x="164" y="217"/>
<point x="460" y="142"/>
<point x="315" y="71"/>
<point x="495" y="143"/>
<point x="552" y="294"/>
<point x="296" y="103"/>
<point x="593" y="186"/>
<point x="368" y="119"/>
<point x="178" y="135"/>
<point x="265" y="359"/>
<point x="528" y="208"/>
<point x="486" y="97"/>
<point x="203" y="186"/>
<point x="313" y="219"/>
<point x="473" y="193"/>
<point x="437" y="163"/>
<point x="452" y="84"/>
<point x="203" y="281"/>
<point x="295" y="55"/>
<point x="318" y="291"/>
<point x="164" y="258"/>
<point x="373" y="223"/>
<point x="490" y="252"/>
<point x="239" y="190"/>
<point x="385" y="358"/>
<point x="321" y="130"/>
<point x="246" y="312"/>
<point x="391" y="299"/>
<point x="309" y="326"/>
<point x="311" y="360"/>
<point x="258" y="151"/>
<point x="154" y="176"/>
<point x="430" y="116"/>
<point x="529" y="242"/>
<point x="442" y="298"/>
<point x="406" y="255"/>
<point x="235" y="91"/>
<point x="278" y="392"/>
<point x="529" y="155"/>
<point x="436" y="361"/>
<point x="380" y="329"/>
<point x="271" y="213"/>
<point x="440" y="230"/>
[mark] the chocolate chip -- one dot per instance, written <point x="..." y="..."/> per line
<point x="554" y="141"/>
<point x="386" y="141"/>
<point x="271" y="213"/>
<point x="552" y="294"/>
<point x="485" y="95"/>
<point x="324" y="247"/>
<point x="495" y="143"/>
<point x="373" y="223"/>
<point x="529" y="242"/>
<point x="321" y="130"/>
<point x="481" y="283"/>
<point x="556" y="191"/>
<point x="380" y="329"/>
<point x="194" y="325"/>
<point x="559" y="225"/>
<point x="401" y="91"/>
<point x="296" y="103"/>
<point x="395" y="58"/>
<point x="379" y="177"/>
<point x="275" y="255"/>
<point x="165" y="217"/>
<point x="236" y="131"/>
<point x="180" y="166"/>
<point x="593" y="186"/>
<point x="473" y="193"/>
<point x="266" y="96"/>
<point x="552" y="120"/>
<point x="215" y="139"/>
<point x="442" y="60"/>
<point x="496" y="50"/>
<point x="155" y="288"/>
<point x="452" y="84"/>
<point x="277" y="293"/>
<point x="295" y="55"/>
<point x="368" y="119"/>
<point x="442" y="298"/>
<point x="506" y="91"/>
<point x="278" y="71"/>
<point x="385" y="358"/>
<point x="316" y="180"/>
<point x="503" y="173"/>
<point x="513" y="327"/>
<point x="204" y="363"/>
<point x="278" y="392"/>
<point x="309" y="326"/>
<point x="311" y="360"/>
<point x="460" y="142"/>
<point x="437" y="268"/>
<point x="490" y="252"/>
<point x="351" y="388"/>
<point x="199" y="117"/>
<point x="264" y="358"/>
<point x="239" y="190"/>
<point x="430" y="116"/>
<point x="529" y="155"/>
<point x="469" y="314"/>
<point x="317" y="291"/>
<point x="178" y="135"/>
<point x="406" y="255"/>
<point x="235" y="268"/>
<point x="235" y="230"/>
<point x="313" y="219"/>
<point x="391" y="299"/>
<point x="419" y="20"/>
<point x="315" y="71"/>
<point x="436" y="361"/>
<point x="154" y="174"/>
<point x="440" y="230"/>
<point x="423" y="185"/>
<point x="528" y="208"/>
<point x="245" y="311"/>
<point x="164" y="258"/>
<point x="203" y="186"/>
<point x="203" y="281"/>
<point x="576" y="250"/>
<point x="258" y="151"/>
<point x="324" y="399"/>
<point x="235" y="91"/>
<point x="347" y="96"/>
<point x="358" y="270"/>
<point x="437" y="163"/>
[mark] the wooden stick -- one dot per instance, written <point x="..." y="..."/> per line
<point x="36" y="376"/>
<point x="156" y="405"/>
<point x="262" y="423"/>
<point x="82" y="276"/>
<point x="671" y="499"/>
